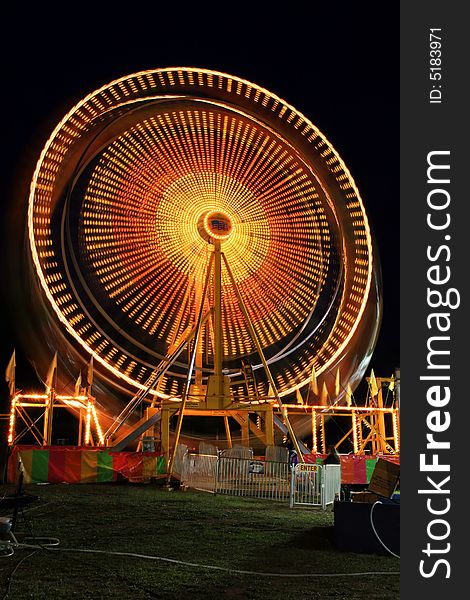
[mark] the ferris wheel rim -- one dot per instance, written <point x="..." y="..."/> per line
<point x="194" y="70"/>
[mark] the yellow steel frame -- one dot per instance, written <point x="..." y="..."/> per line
<point x="39" y="424"/>
<point x="239" y="413"/>
<point x="368" y="424"/>
<point x="217" y="399"/>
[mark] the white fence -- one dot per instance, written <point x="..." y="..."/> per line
<point x="238" y="452"/>
<point x="253" y="478"/>
<point x="302" y="485"/>
<point x="332" y="484"/>
<point x="200" y="472"/>
<point x="315" y="485"/>
<point x="181" y="453"/>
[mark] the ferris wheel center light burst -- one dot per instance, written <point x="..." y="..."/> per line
<point x="218" y="225"/>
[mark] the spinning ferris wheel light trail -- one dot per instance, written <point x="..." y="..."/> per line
<point x="183" y="210"/>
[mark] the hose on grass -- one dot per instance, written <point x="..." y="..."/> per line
<point x="10" y="576"/>
<point x="201" y="566"/>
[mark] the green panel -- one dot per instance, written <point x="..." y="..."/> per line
<point x="105" y="467"/>
<point x="160" y="468"/>
<point x="370" y="466"/>
<point x="40" y="466"/>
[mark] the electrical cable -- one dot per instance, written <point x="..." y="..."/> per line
<point x="31" y="508"/>
<point x="375" y="531"/>
<point x="201" y="566"/>
<point x="17" y="566"/>
<point x="50" y="547"/>
<point x="7" y="546"/>
<point x="44" y="541"/>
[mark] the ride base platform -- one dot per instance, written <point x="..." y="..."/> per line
<point x="75" y="464"/>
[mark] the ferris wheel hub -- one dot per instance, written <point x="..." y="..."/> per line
<point x="215" y="225"/>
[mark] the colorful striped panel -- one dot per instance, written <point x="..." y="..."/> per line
<point x="82" y="465"/>
<point x="40" y="466"/>
<point x="355" y="469"/>
<point x="73" y="466"/>
<point x="105" y="467"/>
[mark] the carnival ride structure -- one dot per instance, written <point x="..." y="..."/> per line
<point x="204" y="243"/>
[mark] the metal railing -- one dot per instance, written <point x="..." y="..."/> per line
<point x="178" y="465"/>
<point x="237" y="452"/>
<point x="253" y="478"/>
<point x="199" y="472"/>
<point x="277" y="454"/>
<point x="332" y="484"/>
<point x="300" y="485"/>
<point x="315" y="485"/>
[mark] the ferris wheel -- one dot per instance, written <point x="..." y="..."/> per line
<point x="188" y="227"/>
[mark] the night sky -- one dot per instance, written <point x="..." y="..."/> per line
<point x="339" y="67"/>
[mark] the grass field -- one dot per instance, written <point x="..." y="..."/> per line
<point x="192" y="527"/>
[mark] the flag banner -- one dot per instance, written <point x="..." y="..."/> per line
<point x="324" y="396"/>
<point x="374" y="390"/>
<point x="90" y="372"/>
<point x="337" y="384"/>
<point x="78" y="384"/>
<point x="313" y="382"/>
<point x="349" y="396"/>
<point x="10" y="373"/>
<point x="50" y="374"/>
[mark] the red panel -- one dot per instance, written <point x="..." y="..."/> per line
<point x="360" y="473"/>
<point x="135" y="467"/>
<point x="347" y="470"/>
<point x="13" y="472"/>
<point x="73" y="465"/>
<point x="120" y="462"/>
<point x="56" y="467"/>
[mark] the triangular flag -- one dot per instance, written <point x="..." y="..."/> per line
<point x="324" y="395"/>
<point x="374" y="390"/>
<point x="271" y="392"/>
<point x="337" y="384"/>
<point x="313" y="381"/>
<point x="78" y="384"/>
<point x="50" y="374"/>
<point x="348" y="395"/>
<point x="298" y="395"/>
<point x="10" y="374"/>
<point x="90" y="372"/>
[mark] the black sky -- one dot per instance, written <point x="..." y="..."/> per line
<point x="338" y="65"/>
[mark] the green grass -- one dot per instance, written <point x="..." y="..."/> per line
<point x="193" y="527"/>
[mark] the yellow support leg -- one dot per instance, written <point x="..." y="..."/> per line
<point x="314" y="432"/>
<point x="242" y="420"/>
<point x="227" y="432"/>
<point x="165" y="435"/>
<point x="269" y="426"/>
